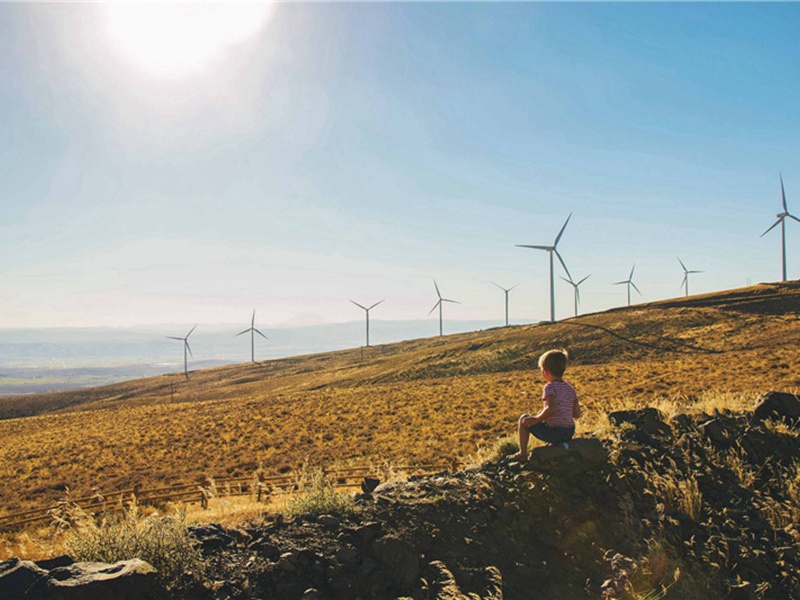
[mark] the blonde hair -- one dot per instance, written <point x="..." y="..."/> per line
<point x="554" y="361"/>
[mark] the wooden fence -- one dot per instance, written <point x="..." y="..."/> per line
<point x="258" y="485"/>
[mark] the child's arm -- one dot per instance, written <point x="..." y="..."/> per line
<point x="576" y="409"/>
<point x="544" y="414"/>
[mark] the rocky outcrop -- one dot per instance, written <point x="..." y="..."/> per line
<point x="125" y="580"/>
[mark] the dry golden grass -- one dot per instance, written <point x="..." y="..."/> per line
<point x="413" y="402"/>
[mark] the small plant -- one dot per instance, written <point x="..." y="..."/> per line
<point x="163" y="541"/>
<point x="317" y="495"/>
<point x="499" y="449"/>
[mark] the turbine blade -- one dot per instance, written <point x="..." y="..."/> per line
<point x="783" y="195"/>
<point x="548" y="248"/>
<point x="680" y="261"/>
<point x="584" y="279"/>
<point x="500" y="286"/>
<point x="684" y="280"/>
<point x="563" y="264"/>
<point x="451" y="301"/>
<point x="774" y="225"/>
<point x="569" y="281"/>
<point x="189" y="348"/>
<point x="634" y="287"/>
<point x="172" y="337"/>
<point x="793" y="217"/>
<point x="630" y="277"/>
<point x="191" y="330"/>
<point x="619" y="283"/>
<point x="695" y="271"/>
<point x="261" y="334"/>
<point x="376" y="304"/>
<point x="560" y="233"/>
<point x="358" y="305"/>
<point x="438" y="293"/>
<point x="253" y="320"/>
<point x="512" y="287"/>
<point x="240" y="333"/>
<point x="435" y="306"/>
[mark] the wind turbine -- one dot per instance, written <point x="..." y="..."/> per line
<point x="505" y="291"/>
<point x="782" y="220"/>
<point x="439" y="304"/>
<point x="552" y="250"/>
<point x="186" y="347"/>
<point x="629" y="283"/>
<point x="366" y="310"/>
<point x="686" y="273"/>
<point x="252" y="331"/>
<point x="577" y="291"/>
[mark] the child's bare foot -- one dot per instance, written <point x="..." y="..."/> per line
<point x="518" y="457"/>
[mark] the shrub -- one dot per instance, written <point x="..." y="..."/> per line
<point x="317" y="495"/>
<point x="163" y="541"/>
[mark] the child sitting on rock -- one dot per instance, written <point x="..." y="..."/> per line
<point x="554" y="424"/>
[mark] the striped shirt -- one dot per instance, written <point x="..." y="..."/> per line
<point x="566" y="398"/>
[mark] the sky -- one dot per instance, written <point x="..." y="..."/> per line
<point x="164" y="164"/>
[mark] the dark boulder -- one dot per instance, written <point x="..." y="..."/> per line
<point x="17" y="577"/>
<point x="648" y="423"/>
<point x="778" y="406"/>
<point x="125" y="580"/>
<point x="399" y="558"/>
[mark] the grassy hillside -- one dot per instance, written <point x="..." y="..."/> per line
<point x="408" y="402"/>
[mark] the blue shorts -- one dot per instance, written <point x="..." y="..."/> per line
<point x="551" y="435"/>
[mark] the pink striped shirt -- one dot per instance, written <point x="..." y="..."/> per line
<point x="566" y="398"/>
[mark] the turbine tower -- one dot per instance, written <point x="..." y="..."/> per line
<point x="439" y="303"/>
<point x="782" y="220"/>
<point x="366" y="310"/>
<point x="252" y="331"/>
<point x="552" y="250"/>
<point x="505" y="292"/>
<point x="186" y="347"/>
<point x="686" y="273"/>
<point x="577" y="291"/>
<point x="629" y="283"/>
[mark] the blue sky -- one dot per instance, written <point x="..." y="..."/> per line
<point x="362" y="150"/>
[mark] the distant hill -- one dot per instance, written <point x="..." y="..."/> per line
<point x="46" y="360"/>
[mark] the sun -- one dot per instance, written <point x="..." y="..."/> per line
<point x="171" y="40"/>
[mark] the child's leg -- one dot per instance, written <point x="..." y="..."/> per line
<point x="522" y="434"/>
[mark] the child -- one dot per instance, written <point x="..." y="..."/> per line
<point x="553" y="424"/>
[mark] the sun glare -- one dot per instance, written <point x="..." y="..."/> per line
<point x="175" y="39"/>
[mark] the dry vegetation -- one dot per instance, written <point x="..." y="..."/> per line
<point x="410" y="402"/>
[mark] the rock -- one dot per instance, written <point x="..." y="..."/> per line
<point x="328" y="521"/>
<point x="368" y="532"/>
<point x="442" y="583"/>
<point x="716" y="432"/>
<point x="211" y="536"/>
<point x="591" y="449"/>
<point x="399" y="557"/>
<point x="649" y="419"/>
<point x="124" y="580"/>
<point x="369" y="484"/>
<point x="53" y="563"/>
<point x="266" y="548"/>
<point x="17" y="576"/>
<point x="779" y="406"/>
